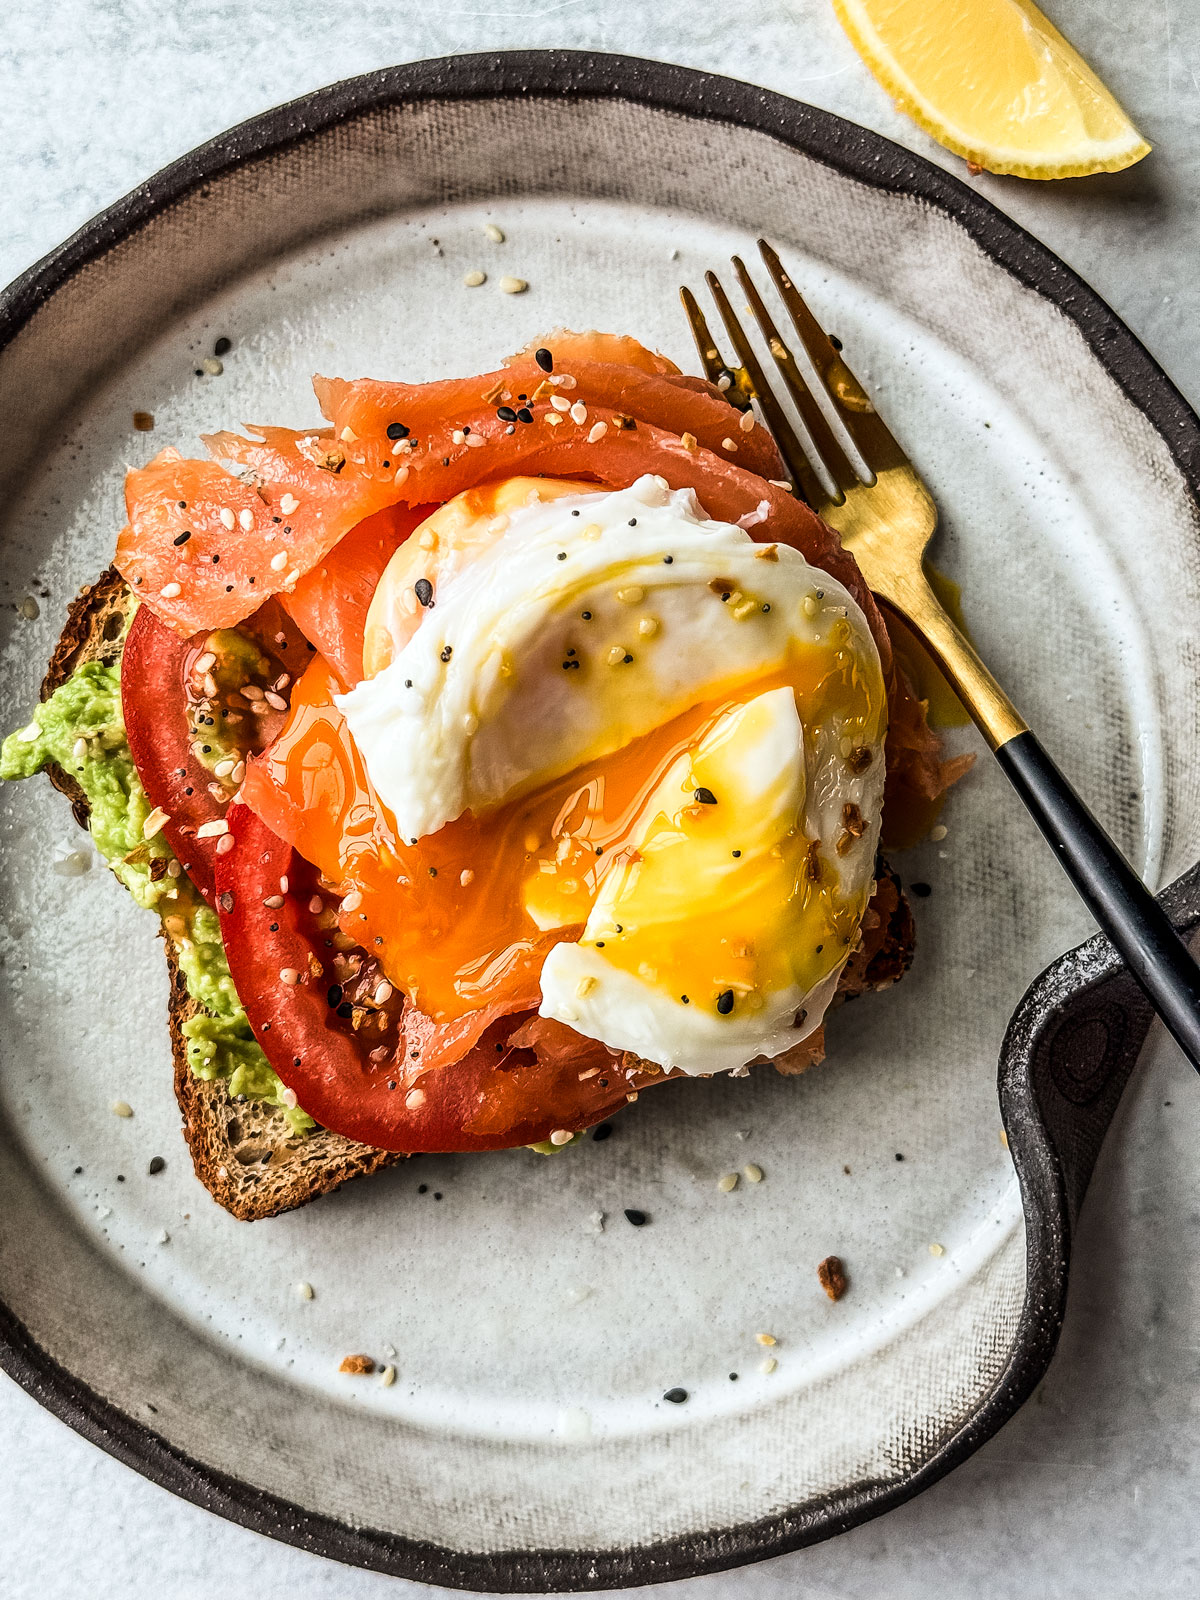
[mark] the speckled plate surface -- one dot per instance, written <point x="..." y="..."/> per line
<point x="526" y="1443"/>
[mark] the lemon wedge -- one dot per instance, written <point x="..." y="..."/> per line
<point x="993" y="81"/>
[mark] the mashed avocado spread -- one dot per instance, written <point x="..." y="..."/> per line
<point x="81" y="730"/>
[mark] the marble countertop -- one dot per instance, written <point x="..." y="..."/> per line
<point x="1091" y="1489"/>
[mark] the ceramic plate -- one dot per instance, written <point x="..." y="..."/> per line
<point x="526" y="1443"/>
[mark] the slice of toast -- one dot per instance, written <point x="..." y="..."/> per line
<point x="244" y="1151"/>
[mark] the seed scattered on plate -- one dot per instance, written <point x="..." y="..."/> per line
<point x="752" y="1172"/>
<point x="676" y="1396"/>
<point x="305" y="1291"/>
<point x="831" y="1275"/>
<point x="727" y="1182"/>
<point x="766" y="1338"/>
<point x="768" y="1365"/>
<point x="143" y="421"/>
<point x="162" y="1237"/>
<point x="510" y="285"/>
<point x="358" y="1366"/>
<point x="121" y="1108"/>
<point x="495" y="234"/>
<point x="939" y="833"/>
<point x="937" y="1249"/>
<point x="638" y="1219"/>
<point x="388" y="1376"/>
<point x="157" y="1163"/>
<point x="212" y="367"/>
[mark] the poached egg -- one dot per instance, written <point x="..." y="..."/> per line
<point x="535" y="630"/>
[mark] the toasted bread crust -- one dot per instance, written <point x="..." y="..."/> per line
<point x="244" y="1152"/>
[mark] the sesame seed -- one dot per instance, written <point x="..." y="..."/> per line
<point x="466" y="877"/>
<point x="632" y="595"/>
<point x="475" y="441"/>
<point x="768" y="1365"/>
<point x="747" y="422"/>
<point x="305" y="1291"/>
<point x="273" y="902"/>
<point x="579" y="412"/>
<point x="544" y="359"/>
<point x="228" y="518"/>
<point x="474" y="278"/>
<point x="513" y="285"/>
<point x="316" y="905"/>
<point x="80" y="748"/>
<point x="290" y="976"/>
<point x="401" y="475"/>
<point x="212" y="830"/>
<point x="810" y="605"/>
<point x="689" y="442"/>
<point x="616" y="655"/>
<point x="121" y="1108"/>
<point x="275" y="701"/>
<point x="597" y="432"/>
<point x="937" y="1249"/>
<point x="246" y="518"/>
<point x="584" y="987"/>
<point x="560" y="402"/>
<point x="766" y="1338"/>
<point x="495" y="234"/>
<point x="939" y="833"/>
<point x="414" y="1099"/>
<point x="752" y="1173"/>
<point x="288" y="504"/>
<point x="352" y="901"/>
<point x="383" y="992"/>
<point x="561" y="1136"/>
<point x="170" y="590"/>
<point x="388" y="1376"/>
<point x="727" y="1182"/>
<point x="279" y="561"/>
<point x="154" y="822"/>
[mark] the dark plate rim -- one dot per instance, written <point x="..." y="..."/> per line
<point x="875" y="162"/>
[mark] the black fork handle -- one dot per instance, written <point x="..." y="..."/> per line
<point x="1126" y="911"/>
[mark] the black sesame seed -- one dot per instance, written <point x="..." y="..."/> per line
<point x="183" y="537"/>
<point x="384" y="464"/>
<point x="766" y="608"/>
<point x="599" y="1134"/>
<point x="639" y="1219"/>
<point x="157" y="1163"/>
<point x="524" y="414"/>
<point x="820" y="947"/>
<point x="120" y="1177"/>
<point x="334" y="996"/>
<point x="295" y="1061"/>
<point x="345" y="1010"/>
<point x="725" y="1002"/>
<point x="408" y="683"/>
<point x="676" y="1396"/>
<point x="228" y="588"/>
<point x="735" y="854"/>
<point x="586" y="615"/>
<point x="575" y="513"/>
<point x="445" y="461"/>
<point x="226" y="901"/>
<point x="599" y="849"/>
<point x="424" y="591"/>
<point x="921" y="890"/>
<point x="397" y="430"/>
<point x="422" y="1188"/>
<point x="391" y="1083"/>
<point x="274" y="927"/>
<point x="899" y="1157"/>
<point x="668" y="561"/>
<point x="223" y="346"/>
<point x="633" y="522"/>
<point x="437" y="1194"/>
<point x="627" y="659"/>
<point x="433" y="872"/>
<point x="506" y="413"/>
<point x="685" y="1000"/>
<point x="705" y="796"/>
<point x="544" y="359"/>
<point x="562" y="555"/>
<point x="447" y="652"/>
<point x="835" y="341"/>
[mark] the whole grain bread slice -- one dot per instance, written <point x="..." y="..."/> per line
<point x="244" y="1151"/>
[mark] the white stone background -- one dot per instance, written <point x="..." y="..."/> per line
<point x="1091" y="1490"/>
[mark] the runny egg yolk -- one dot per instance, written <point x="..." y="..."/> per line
<point x="692" y="898"/>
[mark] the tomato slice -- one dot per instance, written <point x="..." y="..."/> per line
<point x="329" y="604"/>
<point x="357" y="1079"/>
<point x="165" y="722"/>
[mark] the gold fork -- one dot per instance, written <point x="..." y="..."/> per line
<point x="886" y="520"/>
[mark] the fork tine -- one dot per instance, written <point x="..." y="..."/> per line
<point x="710" y="357"/>
<point x="824" y="440"/>
<point x="781" y="429"/>
<point x="853" y="405"/>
